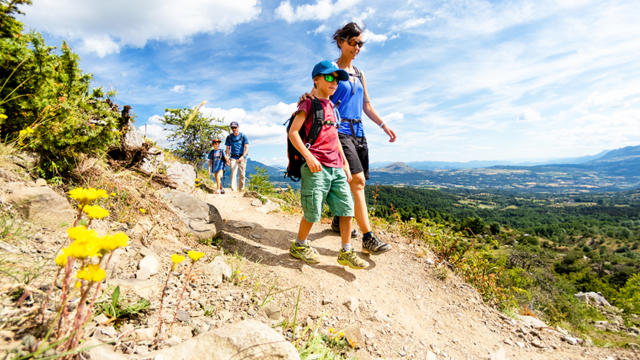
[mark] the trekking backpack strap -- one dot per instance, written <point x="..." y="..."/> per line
<point x="317" y="118"/>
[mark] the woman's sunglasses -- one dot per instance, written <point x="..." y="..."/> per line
<point x="354" y="42"/>
<point x="329" y="78"/>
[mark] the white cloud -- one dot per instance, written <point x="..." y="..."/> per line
<point x="372" y="37"/>
<point x="178" y="89"/>
<point x="264" y="126"/>
<point x="321" y="10"/>
<point x="106" y="26"/>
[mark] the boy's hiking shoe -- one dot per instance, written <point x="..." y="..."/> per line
<point x="351" y="259"/>
<point x="304" y="252"/>
<point x="374" y="246"/>
<point x="335" y="226"/>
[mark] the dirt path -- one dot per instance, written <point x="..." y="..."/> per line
<point x="399" y="309"/>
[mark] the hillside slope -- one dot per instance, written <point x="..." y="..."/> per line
<point x="404" y="309"/>
<point x="401" y="307"/>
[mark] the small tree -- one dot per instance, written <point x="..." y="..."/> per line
<point x="191" y="137"/>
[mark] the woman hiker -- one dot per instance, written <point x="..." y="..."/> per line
<point x="352" y="99"/>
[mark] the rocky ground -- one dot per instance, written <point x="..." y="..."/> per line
<point x="247" y="291"/>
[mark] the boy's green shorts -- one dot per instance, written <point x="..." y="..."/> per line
<point x="330" y="185"/>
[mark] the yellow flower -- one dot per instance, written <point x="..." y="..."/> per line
<point x="341" y="334"/>
<point x="111" y="242"/>
<point x="351" y="343"/>
<point x="195" y="255"/>
<point x="331" y="330"/>
<point x="86" y="196"/>
<point x="61" y="260"/>
<point x="81" y="232"/>
<point x="3" y="116"/>
<point x="113" y="194"/>
<point x="77" y="285"/>
<point x="92" y="272"/>
<point x="86" y="243"/>
<point x="143" y="211"/>
<point x="176" y="259"/>
<point x="25" y="132"/>
<point x="95" y="211"/>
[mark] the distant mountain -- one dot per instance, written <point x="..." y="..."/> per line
<point x="608" y="171"/>
<point x="397" y="168"/>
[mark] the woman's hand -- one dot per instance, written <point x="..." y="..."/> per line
<point x="387" y="130"/>
<point x="304" y="97"/>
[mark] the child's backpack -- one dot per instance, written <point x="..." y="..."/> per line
<point x="295" y="158"/>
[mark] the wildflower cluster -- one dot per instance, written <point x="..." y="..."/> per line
<point x="84" y="263"/>
<point x="339" y="339"/>
<point x="176" y="259"/>
<point x="85" y="197"/>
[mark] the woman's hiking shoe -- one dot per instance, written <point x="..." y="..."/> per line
<point x="304" y="252"/>
<point x="373" y="245"/>
<point x="351" y="259"/>
<point x="335" y="226"/>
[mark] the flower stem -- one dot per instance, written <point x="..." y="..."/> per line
<point x="184" y="287"/>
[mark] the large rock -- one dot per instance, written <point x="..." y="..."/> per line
<point x="592" y="298"/>
<point x="202" y="219"/>
<point x="40" y="205"/>
<point x="183" y="175"/>
<point x="247" y="339"/>
<point x="153" y="160"/>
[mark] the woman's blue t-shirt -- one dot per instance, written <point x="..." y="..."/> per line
<point x="350" y="93"/>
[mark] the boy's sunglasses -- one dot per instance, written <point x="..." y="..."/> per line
<point x="354" y="42"/>
<point x="330" y="77"/>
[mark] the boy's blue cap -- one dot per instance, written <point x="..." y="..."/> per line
<point x="327" y="67"/>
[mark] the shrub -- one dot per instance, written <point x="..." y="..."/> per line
<point x="191" y="132"/>
<point x="45" y="101"/>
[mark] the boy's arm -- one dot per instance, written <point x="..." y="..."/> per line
<point x="209" y="166"/>
<point x="298" y="121"/>
<point x="345" y="167"/>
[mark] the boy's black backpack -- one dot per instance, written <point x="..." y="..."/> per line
<point x="295" y="158"/>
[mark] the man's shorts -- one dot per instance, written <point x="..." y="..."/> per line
<point x="330" y="185"/>
<point x="357" y="153"/>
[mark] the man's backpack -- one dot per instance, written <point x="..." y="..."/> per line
<point x="295" y="158"/>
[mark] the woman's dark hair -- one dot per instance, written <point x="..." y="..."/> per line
<point x="347" y="32"/>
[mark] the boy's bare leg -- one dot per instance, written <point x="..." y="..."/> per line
<point x="304" y="229"/>
<point x="219" y="180"/>
<point x="345" y="229"/>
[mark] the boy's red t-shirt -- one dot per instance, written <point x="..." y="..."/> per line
<point x="326" y="148"/>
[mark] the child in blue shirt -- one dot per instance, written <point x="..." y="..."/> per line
<point x="217" y="160"/>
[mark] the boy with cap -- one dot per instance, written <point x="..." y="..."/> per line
<point x="217" y="160"/>
<point x="326" y="174"/>
<point x="237" y="150"/>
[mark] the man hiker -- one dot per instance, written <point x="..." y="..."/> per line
<point x="237" y="150"/>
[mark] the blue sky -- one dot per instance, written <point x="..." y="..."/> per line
<point x="456" y="80"/>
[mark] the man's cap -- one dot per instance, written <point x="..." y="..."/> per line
<point x="234" y="124"/>
<point x="328" y="67"/>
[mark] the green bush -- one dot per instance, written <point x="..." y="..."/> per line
<point x="259" y="182"/>
<point x="45" y="100"/>
<point x="191" y="132"/>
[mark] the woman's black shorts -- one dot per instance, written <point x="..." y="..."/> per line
<point x="356" y="152"/>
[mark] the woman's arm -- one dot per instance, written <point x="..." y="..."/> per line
<point x="372" y="114"/>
